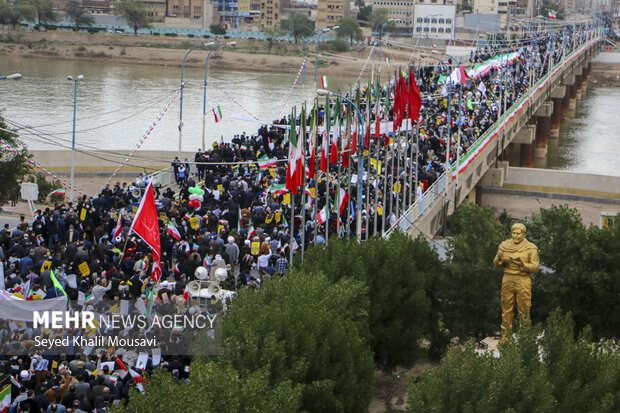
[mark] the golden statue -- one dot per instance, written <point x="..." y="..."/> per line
<point x="519" y="257"/>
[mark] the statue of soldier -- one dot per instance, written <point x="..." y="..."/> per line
<point x="519" y="257"/>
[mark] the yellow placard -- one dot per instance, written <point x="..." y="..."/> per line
<point x="54" y="364"/>
<point x="278" y="216"/>
<point x="193" y="222"/>
<point x="272" y="172"/>
<point x="220" y="187"/>
<point x="313" y="192"/>
<point x="379" y="209"/>
<point x="397" y="186"/>
<point x="286" y="199"/>
<point x="376" y="164"/>
<point x="83" y="267"/>
<point x="164" y="217"/>
<point x="268" y="218"/>
<point x="255" y="248"/>
<point x="134" y="209"/>
<point x="46" y="266"/>
<point x="83" y="214"/>
<point x="115" y="215"/>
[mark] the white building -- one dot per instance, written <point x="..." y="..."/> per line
<point x="434" y="21"/>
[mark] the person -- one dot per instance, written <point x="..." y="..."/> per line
<point x="519" y="258"/>
<point x="175" y="168"/>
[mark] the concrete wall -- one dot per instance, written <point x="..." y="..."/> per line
<point x="60" y="161"/>
<point x="562" y="182"/>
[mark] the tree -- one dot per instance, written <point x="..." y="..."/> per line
<point x="554" y="373"/>
<point x="135" y="14"/>
<point x="78" y="15"/>
<point x="217" y="29"/>
<point x="271" y="32"/>
<point x="13" y="168"/>
<point x="298" y="26"/>
<point x="45" y="11"/>
<point x="470" y="290"/>
<point x="377" y="16"/>
<point x="398" y="273"/>
<point x="15" y="13"/>
<point x="307" y="331"/>
<point x="364" y="13"/>
<point x="350" y="27"/>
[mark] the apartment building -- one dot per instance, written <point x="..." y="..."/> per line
<point x="329" y="12"/>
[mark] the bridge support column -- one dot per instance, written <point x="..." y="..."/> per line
<point x="527" y="155"/>
<point x="578" y="82"/>
<point x="565" y="105"/>
<point x="554" y="131"/>
<point x="508" y="154"/>
<point x="543" y="122"/>
<point x="572" y="103"/>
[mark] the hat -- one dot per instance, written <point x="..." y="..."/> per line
<point x="247" y="242"/>
<point x="231" y="240"/>
<point x="24" y="374"/>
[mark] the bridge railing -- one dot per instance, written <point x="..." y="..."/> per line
<point x="433" y="193"/>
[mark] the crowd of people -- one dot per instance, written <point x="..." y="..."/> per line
<point x="244" y="228"/>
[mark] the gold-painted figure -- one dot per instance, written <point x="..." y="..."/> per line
<point x="519" y="258"/>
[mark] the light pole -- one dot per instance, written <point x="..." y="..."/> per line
<point x="316" y="57"/>
<point x="303" y="79"/>
<point x="360" y="164"/>
<point x="202" y="46"/>
<point x="204" y="98"/>
<point x="14" y="76"/>
<point x="382" y="24"/>
<point x="75" y="83"/>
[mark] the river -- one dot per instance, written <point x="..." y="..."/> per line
<point x="118" y="103"/>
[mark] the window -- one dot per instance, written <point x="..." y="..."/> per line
<point x="448" y="30"/>
<point x="418" y="29"/>
<point x="426" y="29"/>
<point x="434" y="29"/>
<point x="442" y="21"/>
<point x="433" y="20"/>
<point x="427" y="20"/>
<point x="448" y="21"/>
<point x="440" y="30"/>
<point x="196" y="9"/>
<point x="419" y="20"/>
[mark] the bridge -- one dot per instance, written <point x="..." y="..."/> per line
<point x="529" y="124"/>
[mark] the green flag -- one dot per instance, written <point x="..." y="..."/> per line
<point x="56" y="283"/>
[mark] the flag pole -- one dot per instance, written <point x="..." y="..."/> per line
<point x="327" y="121"/>
<point x="338" y="177"/>
<point x="292" y="224"/>
<point x="315" y="122"/>
<point x="302" y="127"/>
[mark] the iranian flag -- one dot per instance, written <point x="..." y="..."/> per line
<point x="61" y="192"/>
<point x="324" y="82"/>
<point x="264" y="162"/>
<point x="343" y="198"/>
<point x="462" y="75"/>
<point x="310" y="195"/>
<point x="173" y="231"/>
<point x="295" y="166"/>
<point x="217" y="113"/>
<point x="551" y="15"/>
<point x="146" y="225"/>
<point x="239" y="220"/>
<point x="324" y="146"/>
<point x="5" y="399"/>
<point x="321" y="216"/>
<point x="279" y="189"/>
<point x="118" y="230"/>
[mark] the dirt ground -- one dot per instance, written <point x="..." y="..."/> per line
<point x="390" y="391"/>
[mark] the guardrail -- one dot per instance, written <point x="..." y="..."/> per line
<point x="430" y="196"/>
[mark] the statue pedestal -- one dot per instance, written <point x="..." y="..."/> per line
<point x="488" y="345"/>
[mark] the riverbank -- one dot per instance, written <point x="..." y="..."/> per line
<point x="606" y="70"/>
<point x="247" y="55"/>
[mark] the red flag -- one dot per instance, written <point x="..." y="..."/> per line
<point x="346" y="146"/>
<point x="398" y="107"/>
<point x="415" y="100"/>
<point x="295" y="166"/>
<point x="403" y="90"/>
<point x="333" y="151"/>
<point x="116" y="236"/>
<point x="146" y="225"/>
<point x="367" y="135"/>
<point x="462" y="73"/>
<point x="324" y="146"/>
<point x="377" y="129"/>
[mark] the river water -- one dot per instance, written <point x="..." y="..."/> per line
<point x="118" y="103"/>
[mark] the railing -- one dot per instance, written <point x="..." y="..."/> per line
<point x="164" y="177"/>
<point x="430" y="196"/>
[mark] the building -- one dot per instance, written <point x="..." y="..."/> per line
<point x="402" y="10"/>
<point x="271" y="12"/>
<point x="329" y="12"/>
<point x="434" y="21"/>
<point x="155" y="10"/>
<point x="501" y="7"/>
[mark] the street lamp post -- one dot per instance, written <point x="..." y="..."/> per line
<point x="204" y="98"/>
<point x="360" y="164"/>
<point x="303" y="80"/>
<point x="75" y="83"/>
<point x="316" y="57"/>
<point x="382" y="24"/>
<point x="202" y="46"/>
<point x="14" y="76"/>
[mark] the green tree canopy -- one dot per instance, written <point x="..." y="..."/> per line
<point x="45" y="11"/>
<point x="350" y="27"/>
<point x="364" y="13"/>
<point x="398" y="273"/>
<point x="135" y="14"/>
<point x="298" y="26"/>
<point x="13" y="168"/>
<point x="548" y="371"/>
<point x="470" y="288"/>
<point x="377" y="16"/>
<point x="217" y="29"/>
<point x="14" y="13"/>
<point x="78" y="15"/>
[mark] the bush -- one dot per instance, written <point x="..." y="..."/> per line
<point x="338" y="45"/>
<point x="45" y="186"/>
<point x="555" y="374"/>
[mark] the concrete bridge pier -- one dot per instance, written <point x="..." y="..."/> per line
<point x="568" y="82"/>
<point x="578" y="84"/>
<point x="527" y="144"/>
<point x="543" y="124"/>
<point x="508" y="154"/>
<point x="556" y="96"/>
